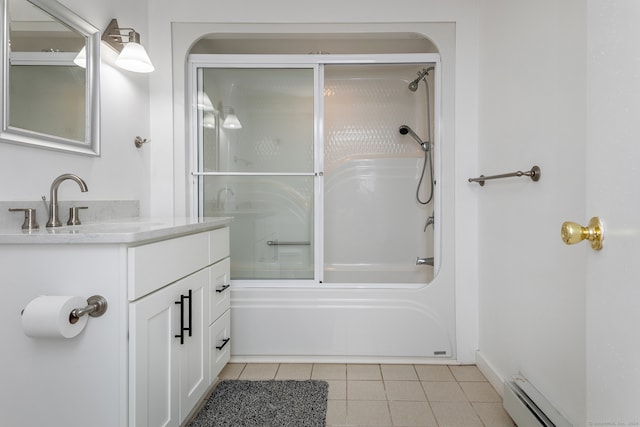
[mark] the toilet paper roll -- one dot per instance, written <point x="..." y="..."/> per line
<point x="50" y="316"/>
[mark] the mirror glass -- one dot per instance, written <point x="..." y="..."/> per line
<point x="49" y="91"/>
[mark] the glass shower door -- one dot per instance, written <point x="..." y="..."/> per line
<point x="379" y="203"/>
<point x="256" y="163"/>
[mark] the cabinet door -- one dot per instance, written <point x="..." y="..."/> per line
<point x="169" y="352"/>
<point x="153" y="363"/>
<point x="194" y="351"/>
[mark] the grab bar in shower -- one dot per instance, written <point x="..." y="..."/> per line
<point x="534" y="174"/>
<point x="278" y="243"/>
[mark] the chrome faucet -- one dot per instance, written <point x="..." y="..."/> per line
<point x="424" y="261"/>
<point x="54" y="220"/>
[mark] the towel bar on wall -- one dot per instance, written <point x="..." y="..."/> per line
<point x="534" y="174"/>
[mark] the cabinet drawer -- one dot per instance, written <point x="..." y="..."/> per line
<point x="218" y="244"/>
<point x="220" y="342"/>
<point x="220" y="292"/>
<point x="157" y="264"/>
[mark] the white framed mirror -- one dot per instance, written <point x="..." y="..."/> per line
<point x="50" y="95"/>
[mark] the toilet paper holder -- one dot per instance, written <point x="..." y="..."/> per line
<point x="96" y="307"/>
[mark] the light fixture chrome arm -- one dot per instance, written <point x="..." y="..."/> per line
<point x="113" y="35"/>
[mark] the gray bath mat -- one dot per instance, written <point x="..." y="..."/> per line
<point x="265" y="404"/>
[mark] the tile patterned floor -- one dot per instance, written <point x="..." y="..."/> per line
<point x="393" y="395"/>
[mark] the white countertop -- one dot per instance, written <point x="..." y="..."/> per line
<point x="130" y="230"/>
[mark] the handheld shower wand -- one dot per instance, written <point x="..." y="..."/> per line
<point x="425" y="145"/>
<point x="404" y="129"/>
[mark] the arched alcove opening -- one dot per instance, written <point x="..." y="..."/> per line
<point x="313" y="43"/>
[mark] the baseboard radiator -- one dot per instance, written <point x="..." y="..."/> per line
<point x="528" y="407"/>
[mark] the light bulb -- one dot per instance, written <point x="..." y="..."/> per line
<point x="134" y="58"/>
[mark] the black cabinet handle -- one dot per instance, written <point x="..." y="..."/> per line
<point x="190" y="313"/>
<point x="224" y="342"/>
<point x="182" y="327"/>
<point x="181" y="334"/>
<point x="222" y="288"/>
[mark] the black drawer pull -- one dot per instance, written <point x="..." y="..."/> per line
<point x="222" y="288"/>
<point x="224" y="342"/>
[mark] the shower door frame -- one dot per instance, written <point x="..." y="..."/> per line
<point x="317" y="63"/>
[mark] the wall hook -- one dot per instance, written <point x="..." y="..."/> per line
<point x="139" y="141"/>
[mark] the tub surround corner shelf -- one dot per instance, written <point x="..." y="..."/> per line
<point x="157" y="351"/>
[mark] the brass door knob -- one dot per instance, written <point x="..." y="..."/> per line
<point x="573" y="233"/>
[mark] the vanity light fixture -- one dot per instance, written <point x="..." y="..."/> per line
<point x="133" y="56"/>
<point x="231" y="121"/>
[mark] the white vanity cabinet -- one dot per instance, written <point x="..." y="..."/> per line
<point x="127" y="368"/>
<point x="173" y="360"/>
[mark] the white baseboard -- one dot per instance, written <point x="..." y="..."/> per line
<point x="487" y="369"/>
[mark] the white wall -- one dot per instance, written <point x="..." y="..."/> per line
<point x="532" y="112"/>
<point x="122" y="172"/>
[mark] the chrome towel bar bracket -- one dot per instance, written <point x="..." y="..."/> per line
<point x="534" y="174"/>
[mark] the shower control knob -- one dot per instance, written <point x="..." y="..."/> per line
<point x="573" y="233"/>
<point x="30" y="222"/>
<point x="74" y="217"/>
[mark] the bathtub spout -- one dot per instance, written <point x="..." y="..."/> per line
<point x="424" y="261"/>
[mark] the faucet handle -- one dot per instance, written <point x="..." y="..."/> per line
<point x="30" y="222"/>
<point x="74" y="218"/>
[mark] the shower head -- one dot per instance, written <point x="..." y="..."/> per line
<point x="404" y="129"/>
<point x="413" y="86"/>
